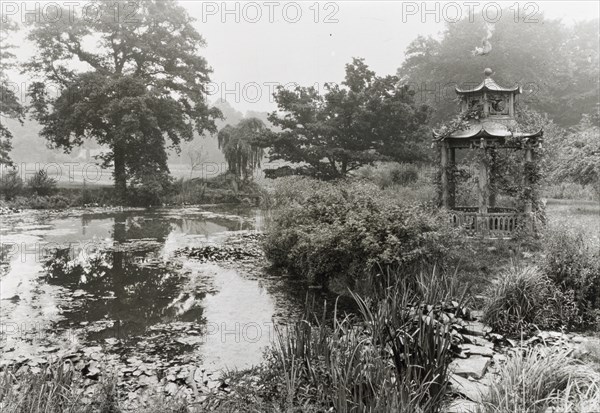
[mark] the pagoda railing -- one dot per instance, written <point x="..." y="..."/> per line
<point x="497" y="223"/>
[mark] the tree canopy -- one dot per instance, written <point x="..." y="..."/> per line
<point x="365" y="119"/>
<point x="579" y="161"/>
<point x="558" y="66"/>
<point x="10" y="106"/>
<point x="143" y="86"/>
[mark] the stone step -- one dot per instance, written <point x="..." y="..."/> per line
<point x="474" y="366"/>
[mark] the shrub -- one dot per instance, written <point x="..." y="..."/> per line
<point x="573" y="263"/>
<point x="523" y="299"/>
<point x="386" y="175"/>
<point x="41" y="184"/>
<point x="11" y="184"/>
<point x="323" y="230"/>
<point x="539" y="378"/>
<point x="404" y="175"/>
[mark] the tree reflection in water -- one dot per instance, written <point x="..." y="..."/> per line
<point x="129" y="285"/>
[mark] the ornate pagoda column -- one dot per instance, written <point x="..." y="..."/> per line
<point x="452" y="178"/>
<point x="491" y="172"/>
<point x="483" y="189"/>
<point x="526" y="178"/>
<point x="444" y="177"/>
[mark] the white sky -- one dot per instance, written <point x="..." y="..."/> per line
<point x="249" y="58"/>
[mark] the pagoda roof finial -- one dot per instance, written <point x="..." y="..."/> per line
<point x="488" y="72"/>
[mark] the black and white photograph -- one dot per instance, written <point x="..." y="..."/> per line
<point x="299" y="206"/>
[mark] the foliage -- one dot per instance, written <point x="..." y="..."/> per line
<point x="41" y="184"/>
<point x="534" y="380"/>
<point x="238" y="144"/>
<point x="365" y="119"/>
<point x="9" y="102"/>
<point x="523" y="299"/>
<point x="573" y="264"/>
<point x="55" y="389"/>
<point x="11" y="184"/>
<point x="580" y="160"/>
<point x="557" y="65"/>
<point x="145" y="82"/>
<point x="391" y="174"/>
<point x="389" y="358"/>
<point x="150" y="188"/>
<point x="326" y="230"/>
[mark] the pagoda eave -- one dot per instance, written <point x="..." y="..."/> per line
<point x="471" y="138"/>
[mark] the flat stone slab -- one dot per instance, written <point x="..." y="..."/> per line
<point x="472" y="390"/>
<point x="476" y="328"/>
<point x="478" y="350"/>
<point x="478" y="341"/>
<point x="474" y="366"/>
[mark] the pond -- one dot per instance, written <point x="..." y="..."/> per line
<point x="116" y="281"/>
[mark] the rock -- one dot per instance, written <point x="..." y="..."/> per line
<point x="462" y="406"/>
<point x="499" y="358"/>
<point x="472" y="390"/>
<point x="199" y="375"/>
<point x="476" y="328"/>
<point x="475" y="366"/>
<point x="478" y="341"/>
<point x="478" y="350"/>
<point x="577" y="339"/>
<point x="171" y="388"/>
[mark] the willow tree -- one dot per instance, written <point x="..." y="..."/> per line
<point x="238" y="144"/>
<point x="133" y="81"/>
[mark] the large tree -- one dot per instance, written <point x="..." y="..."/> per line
<point x="134" y="83"/>
<point x="365" y="119"/>
<point x="10" y="106"/>
<point x="557" y="65"/>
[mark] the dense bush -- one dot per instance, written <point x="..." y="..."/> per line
<point x="347" y="229"/>
<point x="43" y="202"/>
<point x="523" y="299"/>
<point x="11" y="184"/>
<point x="573" y="263"/>
<point x="41" y="184"/>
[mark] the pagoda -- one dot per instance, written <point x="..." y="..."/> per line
<point x="491" y="125"/>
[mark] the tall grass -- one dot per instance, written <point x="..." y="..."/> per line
<point x="539" y="378"/>
<point x="523" y="299"/>
<point x="391" y="357"/>
<point x="55" y="389"/>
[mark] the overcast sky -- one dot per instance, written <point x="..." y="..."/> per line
<point x="252" y="47"/>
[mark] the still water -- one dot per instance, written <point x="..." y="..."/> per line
<point x="114" y="280"/>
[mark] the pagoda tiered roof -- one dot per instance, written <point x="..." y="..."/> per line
<point x="489" y="85"/>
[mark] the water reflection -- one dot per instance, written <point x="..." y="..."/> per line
<point x="114" y="276"/>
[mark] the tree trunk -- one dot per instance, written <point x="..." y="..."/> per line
<point x="120" y="175"/>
